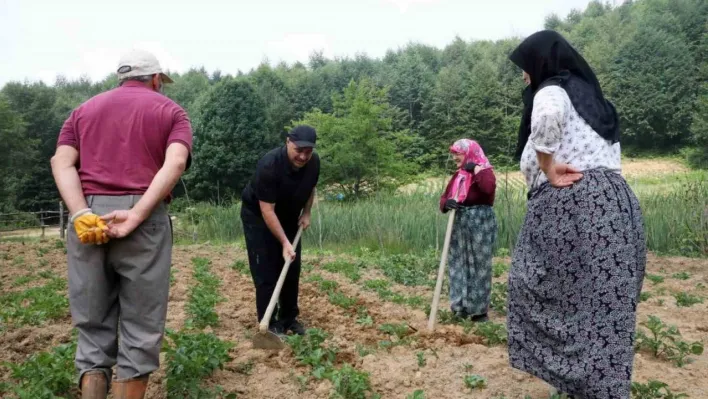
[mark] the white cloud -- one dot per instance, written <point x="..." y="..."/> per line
<point x="404" y="5"/>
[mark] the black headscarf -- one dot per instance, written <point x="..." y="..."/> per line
<point x="550" y="60"/>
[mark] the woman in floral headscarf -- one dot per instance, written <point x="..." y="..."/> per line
<point x="474" y="232"/>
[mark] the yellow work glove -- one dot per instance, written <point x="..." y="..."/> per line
<point x="89" y="227"/>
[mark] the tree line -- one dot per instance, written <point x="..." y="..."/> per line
<point x="383" y="120"/>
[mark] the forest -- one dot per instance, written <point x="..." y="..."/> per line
<point x="386" y="121"/>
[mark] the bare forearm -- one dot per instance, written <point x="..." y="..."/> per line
<point x="274" y="226"/>
<point x="162" y="184"/>
<point x="308" y="205"/>
<point x="545" y="161"/>
<point x="69" y="186"/>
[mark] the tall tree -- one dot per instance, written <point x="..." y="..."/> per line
<point x="230" y="136"/>
<point x="356" y="141"/>
<point x="654" y="97"/>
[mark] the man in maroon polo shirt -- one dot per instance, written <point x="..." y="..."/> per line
<point x="118" y="157"/>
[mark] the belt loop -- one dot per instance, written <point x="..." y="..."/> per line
<point x="89" y="200"/>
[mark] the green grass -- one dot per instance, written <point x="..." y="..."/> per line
<point x="674" y="215"/>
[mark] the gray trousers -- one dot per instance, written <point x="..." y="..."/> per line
<point x="118" y="293"/>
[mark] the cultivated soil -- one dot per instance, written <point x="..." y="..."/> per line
<point x="450" y="353"/>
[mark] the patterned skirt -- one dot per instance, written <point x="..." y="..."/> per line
<point x="470" y="259"/>
<point x="574" y="284"/>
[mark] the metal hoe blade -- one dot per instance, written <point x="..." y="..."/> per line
<point x="267" y="340"/>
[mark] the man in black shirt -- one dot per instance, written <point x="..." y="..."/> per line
<point x="282" y="187"/>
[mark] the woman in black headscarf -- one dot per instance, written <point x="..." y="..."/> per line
<point x="578" y="266"/>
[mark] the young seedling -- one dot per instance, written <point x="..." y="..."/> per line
<point x="681" y="276"/>
<point x="245" y="368"/>
<point x="498" y="297"/>
<point x="665" y="341"/>
<point x="241" y="266"/>
<point x="644" y="296"/>
<point x="417" y="394"/>
<point x="475" y="382"/>
<point x="421" y="359"/>
<point x="363" y="317"/>
<point x="350" y="270"/>
<point x="339" y="299"/>
<point x="499" y="268"/>
<point x="654" y="278"/>
<point x="492" y="333"/>
<point x="684" y="299"/>
<point x="654" y="389"/>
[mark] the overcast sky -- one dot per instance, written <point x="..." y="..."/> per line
<point x="40" y="39"/>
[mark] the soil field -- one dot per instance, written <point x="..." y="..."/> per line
<point x="399" y="362"/>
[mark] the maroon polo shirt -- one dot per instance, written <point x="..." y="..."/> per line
<point x="122" y="136"/>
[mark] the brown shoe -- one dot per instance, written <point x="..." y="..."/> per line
<point x="133" y="388"/>
<point x="94" y="385"/>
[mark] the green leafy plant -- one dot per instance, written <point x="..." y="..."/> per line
<point x="665" y="341"/>
<point x="417" y="394"/>
<point x="45" y="375"/>
<point x="654" y="389"/>
<point x="382" y="288"/>
<point x="341" y="300"/>
<point x="400" y="331"/>
<point x="350" y="270"/>
<point x="421" y="359"/>
<point x="245" y="368"/>
<point x="363" y="317"/>
<point x="363" y="350"/>
<point x="654" y="278"/>
<point x="681" y="276"/>
<point x="35" y="305"/>
<point x="309" y="351"/>
<point x="492" y="333"/>
<point x="475" y="382"/>
<point x="644" y="296"/>
<point x="684" y="299"/>
<point x="409" y="269"/>
<point x="350" y="383"/>
<point x="241" y="266"/>
<point x="347" y="381"/>
<point x="499" y="268"/>
<point x="204" y="295"/>
<point x="497" y="299"/>
<point x="192" y="356"/>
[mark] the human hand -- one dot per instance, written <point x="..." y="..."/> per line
<point x="288" y="252"/>
<point x="304" y="221"/>
<point x="121" y="223"/>
<point x="451" y="204"/>
<point x="89" y="227"/>
<point x="563" y="175"/>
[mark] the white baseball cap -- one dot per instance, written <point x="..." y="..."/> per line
<point x="140" y="63"/>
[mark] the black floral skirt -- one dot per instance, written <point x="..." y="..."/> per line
<point x="574" y="285"/>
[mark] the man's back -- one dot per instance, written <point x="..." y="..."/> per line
<point x="122" y="136"/>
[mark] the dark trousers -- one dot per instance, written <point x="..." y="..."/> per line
<point x="265" y="258"/>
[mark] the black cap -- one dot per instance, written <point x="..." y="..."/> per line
<point x="303" y="136"/>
